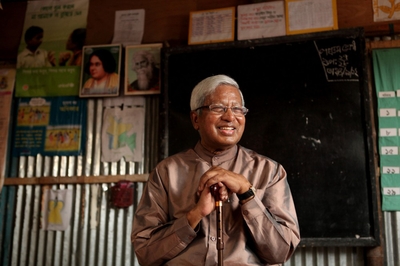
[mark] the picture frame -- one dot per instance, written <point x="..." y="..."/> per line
<point x="212" y="26"/>
<point x="101" y="71"/>
<point x="142" y="69"/>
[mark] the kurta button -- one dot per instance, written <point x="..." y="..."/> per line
<point x="212" y="238"/>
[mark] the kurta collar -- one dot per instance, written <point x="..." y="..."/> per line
<point x="215" y="159"/>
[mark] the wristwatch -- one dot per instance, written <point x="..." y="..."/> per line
<point x="249" y="193"/>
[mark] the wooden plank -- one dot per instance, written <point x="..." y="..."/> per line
<point x="10" y="181"/>
<point x="382" y="44"/>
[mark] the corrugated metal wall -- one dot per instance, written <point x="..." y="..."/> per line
<point x="100" y="234"/>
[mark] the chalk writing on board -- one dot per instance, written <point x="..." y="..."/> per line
<point x="337" y="60"/>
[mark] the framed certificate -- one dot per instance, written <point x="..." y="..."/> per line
<point x="209" y="26"/>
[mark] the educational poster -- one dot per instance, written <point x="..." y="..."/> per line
<point x="50" y="126"/>
<point x="123" y="129"/>
<point x="211" y="26"/>
<point x="261" y="20"/>
<point x="7" y="80"/>
<point x="50" y="53"/>
<point x="386" y="68"/>
<point x="303" y="16"/>
<point x="386" y="10"/>
<point x="57" y="209"/>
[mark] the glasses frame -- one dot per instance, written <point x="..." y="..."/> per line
<point x="225" y="109"/>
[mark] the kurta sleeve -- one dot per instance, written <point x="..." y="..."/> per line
<point x="272" y="220"/>
<point x="155" y="237"/>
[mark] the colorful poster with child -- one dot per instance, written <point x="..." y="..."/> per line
<point x="50" y="53"/>
<point x="50" y="126"/>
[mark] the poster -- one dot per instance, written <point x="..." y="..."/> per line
<point x="211" y="26"/>
<point x="386" y="68"/>
<point x="57" y="209"/>
<point x="50" y="126"/>
<point x="261" y="20"/>
<point x="303" y="16"/>
<point x="123" y="130"/>
<point x="386" y="10"/>
<point x="7" y="80"/>
<point x="49" y="54"/>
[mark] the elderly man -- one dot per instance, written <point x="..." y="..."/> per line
<point x="146" y="71"/>
<point x="175" y="221"/>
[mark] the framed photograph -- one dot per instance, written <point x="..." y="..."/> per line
<point x="100" y="75"/>
<point x="142" y="69"/>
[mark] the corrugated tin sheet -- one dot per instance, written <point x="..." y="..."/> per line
<point x="99" y="234"/>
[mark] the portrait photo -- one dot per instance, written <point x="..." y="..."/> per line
<point x="100" y="71"/>
<point x="142" y="69"/>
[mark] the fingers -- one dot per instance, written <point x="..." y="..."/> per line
<point x="234" y="182"/>
<point x="209" y="178"/>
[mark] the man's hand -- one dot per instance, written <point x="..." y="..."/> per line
<point x="235" y="183"/>
<point x="206" y="203"/>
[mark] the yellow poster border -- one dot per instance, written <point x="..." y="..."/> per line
<point x="232" y="38"/>
<point x="292" y="32"/>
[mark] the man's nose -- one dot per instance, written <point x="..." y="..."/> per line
<point x="228" y="115"/>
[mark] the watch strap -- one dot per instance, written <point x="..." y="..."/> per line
<point x="246" y="195"/>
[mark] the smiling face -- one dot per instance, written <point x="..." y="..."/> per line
<point x="219" y="132"/>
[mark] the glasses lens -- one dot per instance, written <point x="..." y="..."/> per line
<point x="236" y="110"/>
<point x="218" y="109"/>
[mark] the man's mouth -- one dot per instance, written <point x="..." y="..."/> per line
<point x="226" y="128"/>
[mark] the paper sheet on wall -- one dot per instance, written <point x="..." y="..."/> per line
<point x="261" y="20"/>
<point x="123" y="133"/>
<point x="7" y="80"/>
<point x="57" y="209"/>
<point x="209" y="26"/>
<point x="310" y="16"/>
<point x="129" y="26"/>
<point x="386" y="68"/>
<point x="386" y="10"/>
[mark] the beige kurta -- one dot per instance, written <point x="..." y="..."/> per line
<point x="263" y="231"/>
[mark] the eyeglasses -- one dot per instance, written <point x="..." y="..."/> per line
<point x="221" y="109"/>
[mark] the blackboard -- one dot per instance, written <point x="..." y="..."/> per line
<point x="309" y="110"/>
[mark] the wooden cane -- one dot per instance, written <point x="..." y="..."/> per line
<point x="218" y="208"/>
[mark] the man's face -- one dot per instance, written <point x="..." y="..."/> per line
<point x="220" y="131"/>
<point x="140" y="63"/>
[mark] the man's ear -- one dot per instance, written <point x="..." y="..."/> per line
<point x="194" y="117"/>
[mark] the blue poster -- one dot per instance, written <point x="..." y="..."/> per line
<point x="50" y="126"/>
